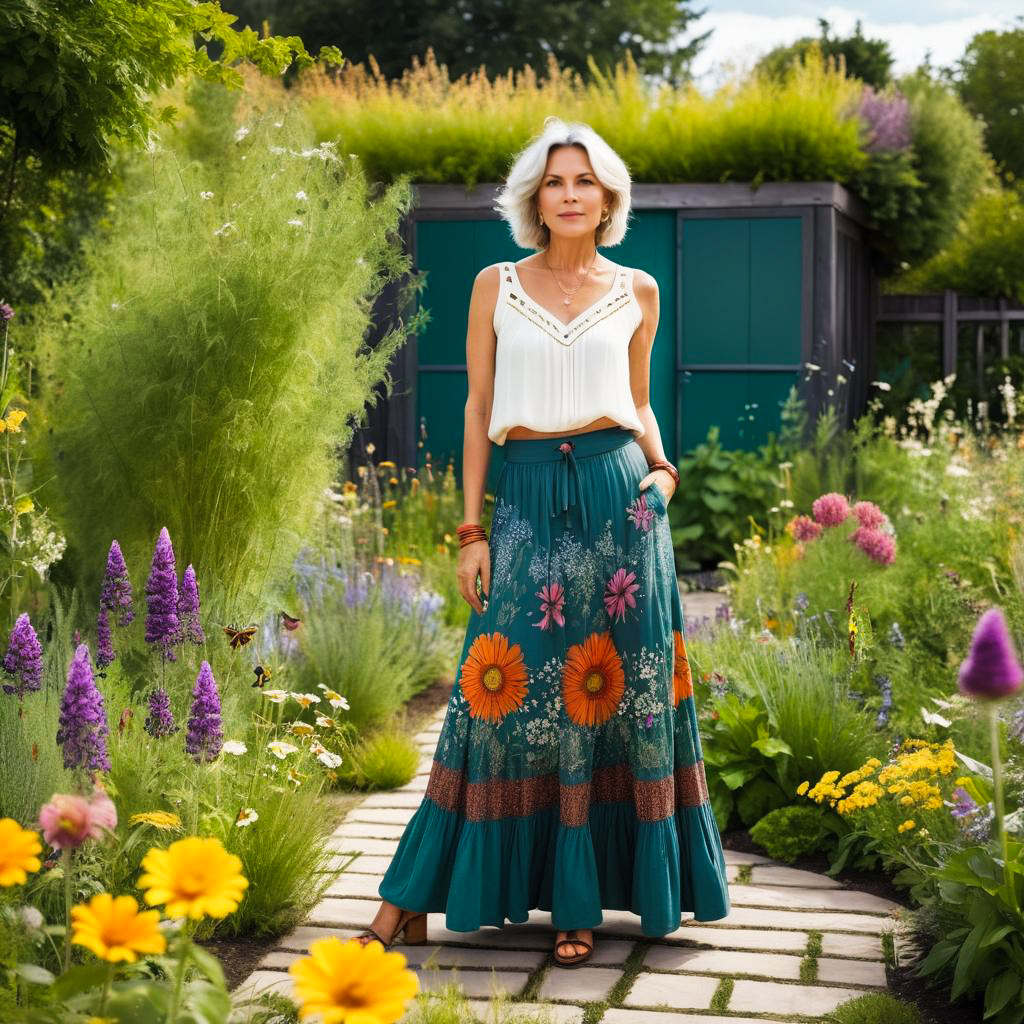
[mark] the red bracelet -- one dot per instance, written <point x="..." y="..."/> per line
<point x="667" y="466"/>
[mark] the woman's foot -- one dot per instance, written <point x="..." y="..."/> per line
<point x="386" y="923"/>
<point x="574" y="946"/>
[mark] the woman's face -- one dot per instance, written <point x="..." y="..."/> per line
<point x="569" y="186"/>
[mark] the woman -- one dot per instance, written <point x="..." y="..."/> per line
<point x="568" y="773"/>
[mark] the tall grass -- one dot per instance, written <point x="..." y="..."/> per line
<point x="207" y="365"/>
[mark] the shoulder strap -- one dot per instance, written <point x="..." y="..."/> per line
<point x="507" y="276"/>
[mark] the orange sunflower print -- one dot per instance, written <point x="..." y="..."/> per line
<point x="682" y="682"/>
<point x="593" y="680"/>
<point x="493" y="677"/>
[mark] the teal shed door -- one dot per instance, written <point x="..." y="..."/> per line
<point x="741" y="288"/>
<point x="452" y="252"/>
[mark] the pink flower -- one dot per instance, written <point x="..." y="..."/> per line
<point x="991" y="668"/>
<point x="619" y="593"/>
<point x="804" y="528"/>
<point x="552" y="597"/>
<point x="875" y="544"/>
<point x="68" y="820"/>
<point x="830" y="509"/>
<point x="869" y="514"/>
<point x="640" y="513"/>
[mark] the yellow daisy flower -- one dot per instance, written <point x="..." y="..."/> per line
<point x="194" y="877"/>
<point x="14" y="420"/>
<point x="18" y="849"/>
<point x="158" y="819"/>
<point x="906" y="826"/>
<point x="352" y="983"/>
<point x="115" y="929"/>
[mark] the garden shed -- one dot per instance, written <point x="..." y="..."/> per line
<point x="755" y="284"/>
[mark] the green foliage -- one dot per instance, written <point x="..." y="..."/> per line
<point x="874" y="1008"/>
<point x="991" y="83"/>
<point x="788" y="833"/>
<point x="213" y="359"/>
<point x="986" y="948"/>
<point x="385" y="759"/>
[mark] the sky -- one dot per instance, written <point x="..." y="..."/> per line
<point x="746" y="29"/>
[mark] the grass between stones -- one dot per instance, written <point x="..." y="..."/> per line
<point x="745" y="874"/>
<point x="720" y="1000"/>
<point x="809" y="964"/>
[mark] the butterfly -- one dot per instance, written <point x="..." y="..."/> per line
<point x="289" y="623"/>
<point x="239" y="637"/>
<point x="262" y="675"/>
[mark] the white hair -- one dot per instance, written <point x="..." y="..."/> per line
<point x="516" y="200"/>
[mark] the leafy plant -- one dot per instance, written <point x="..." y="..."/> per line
<point x="795" y="831"/>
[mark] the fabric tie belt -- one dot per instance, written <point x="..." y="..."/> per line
<point x="561" y="491"/>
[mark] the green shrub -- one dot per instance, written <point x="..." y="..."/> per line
<point x="384" y="760"/>
<point x="791" y="832"/>
<point x="875" y="1008"/>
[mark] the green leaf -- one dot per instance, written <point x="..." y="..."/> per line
<point x="941" y="954"/>
<point x="739" y="776"/>
<point x="963" y="974"/>
<point x="999" y="991"/>
<point x="205" y="1004"/>
<point x="79" y="979"/>
<point x="770" y="746"/>
<point x="999" y="933"/>
<point x="35" y="974"/>
<point x="208" y="964"/>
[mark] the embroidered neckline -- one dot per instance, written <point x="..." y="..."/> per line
<point x="566" y="333"/>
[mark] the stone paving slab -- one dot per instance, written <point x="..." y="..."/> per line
<point x="793" y="898"/>
<point x="302" y="937"/>
<point x="356" y="885"/>
<point x="809" y="1000"/>
<point x="368" y="830"/>
<point x="775" y="874"/>
<point x="380" y="815"/>
<point x="440" y="956"/>
<point x="394" y="798"/>
<point x="851" y="972"/>
<point x="616" y="1015"/>
<point x="724" y="962"/>
<point x="736" y="857"/>
<point x="482" y="984"/>
<point x="580" y="985"/>
<point x="677" y="991"/>
<point x="362" y="844"/>
<point x="822" y="920"/>
<point x="368" y="864"/>
<point x="745" y="938"/>
<point x="869" y="946"/>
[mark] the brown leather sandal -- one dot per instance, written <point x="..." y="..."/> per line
<point x="577" y="958"/>
<point x="411" y="923"/>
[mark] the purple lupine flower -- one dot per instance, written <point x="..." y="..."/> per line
<point x="991" y="669"/>
<point x="104" y="645"/>
<point x="963" y="803"/>
<point x="162" y="597"/>
<point x="24" y="658"/>
<point x="82" y="725"/>
<point x="116" y="593"/>
<point x="204" y="736"/>
<point x="160" y="722"/>
<point x="887" y="120"/>
<point x="5" y="311"/>
<point x="189" y="628"/>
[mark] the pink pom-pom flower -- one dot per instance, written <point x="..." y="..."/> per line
<point x="804" y="528"/>
<point x="830" y="509"/>
<point x="68" y="820"/>
<point x="869" y="515"/>
<point x="991" y="669"/>
<point x="877" y="545"/>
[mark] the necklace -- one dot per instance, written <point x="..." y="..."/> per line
<point x="569" y="296"/>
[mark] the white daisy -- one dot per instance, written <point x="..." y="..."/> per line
<point x="236" y="747"/>
<point x="280" y="749"/>
<point x="246" y="816"/>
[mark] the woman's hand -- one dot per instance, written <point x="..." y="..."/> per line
<point x="474" y="560"/>
<point x="663" y="480"/>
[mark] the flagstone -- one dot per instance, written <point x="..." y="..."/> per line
<point x="302" y="937"/>
<point x="808" y="1000"/>
<point x="369" y="830"/>
<point x="821" y="920"/>
<point x="773" y="874"/>
<point x="556" y="1013"/>
<point x="851" y="972"/>
<point x="835" y="944"/>
<point x="380" y="815"/>
<point x="736" y="857"/>
<point x="621" y="1015"/>
<point x="362" y="844"/>
<point x="393" y="798"/>
<point x="742" y="938"/>
<point x="580" y="985"/>
<point x="482" y="984"/>
<point x="353" y="884"/>
<point x="719" y="961"/>
<point x="677" y="991"/>
<point x="793" y="898"/>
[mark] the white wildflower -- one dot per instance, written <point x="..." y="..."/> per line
<point x="882" y="385"/>
<point x="241" y="133"/>
<point x="328" y="759"/>
<point x="205" y="195"/>
<point x="224" y="228"/>
<point x="280" y="749"/>
<point x="301" y="195"/>
<point x="295" y="222"/>
<point x="246" y="816"/>
<point x="236" y="747"/>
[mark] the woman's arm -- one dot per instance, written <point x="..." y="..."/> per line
<point x="480" y="347"/>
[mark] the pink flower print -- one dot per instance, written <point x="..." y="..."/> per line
<point x="640" y="513"/>
<point x="552" y="597"/>
<point x="619" y="593"/>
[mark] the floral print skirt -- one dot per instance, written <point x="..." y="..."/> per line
<point x="568" y="774"/>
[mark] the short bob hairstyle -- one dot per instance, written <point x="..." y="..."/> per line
<point x="516" y="202"/>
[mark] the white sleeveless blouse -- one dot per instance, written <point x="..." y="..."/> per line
<point x="550" y="376"/>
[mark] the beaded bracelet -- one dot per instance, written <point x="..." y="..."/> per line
<point x="667" y="466"/>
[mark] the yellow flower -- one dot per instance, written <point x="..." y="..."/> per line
<point x="386" y="462"/>
<point x="18" y="849"/>
<point x="906" y="801"/>
<point x="3" y="426"/>
<point x="14" y="420"/>
<point x="906" y="826"/>
<point x="23" y="504"/>
<point x="388" y="504"/>
<point x="802" y="788"/>
<point x="194" y="877"/>
<point x="114" y="929"/>
<point x="352" y="983"/>
<point x="158" y="819"/>
<point x="962" y="781"/>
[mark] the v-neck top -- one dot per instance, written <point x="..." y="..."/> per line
<point x="551" y="376"/>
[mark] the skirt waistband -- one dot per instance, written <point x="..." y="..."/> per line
<point x="551" y="449"/>
<point x="566" y="450"/>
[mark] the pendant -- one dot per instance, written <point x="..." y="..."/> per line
<point x="567" y="301"/>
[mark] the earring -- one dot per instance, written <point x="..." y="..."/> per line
<point x="540" y="216"/>
<point x="606" y="215"/>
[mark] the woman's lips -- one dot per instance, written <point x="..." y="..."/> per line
<point x="570" y="215"/>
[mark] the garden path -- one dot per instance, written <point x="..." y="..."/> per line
<point x="795" y="945"/>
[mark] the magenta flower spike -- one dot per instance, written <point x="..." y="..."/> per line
<point x="991" y="669"/>
<point x="189" y="628"/>
<point x="204" y="735"/>
<point x="104" y="645"/>
<point x="162" y="597"/>
<point x="116" y="591"/>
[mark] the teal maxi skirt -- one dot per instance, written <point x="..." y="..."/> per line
<point x="568" y="774"/>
